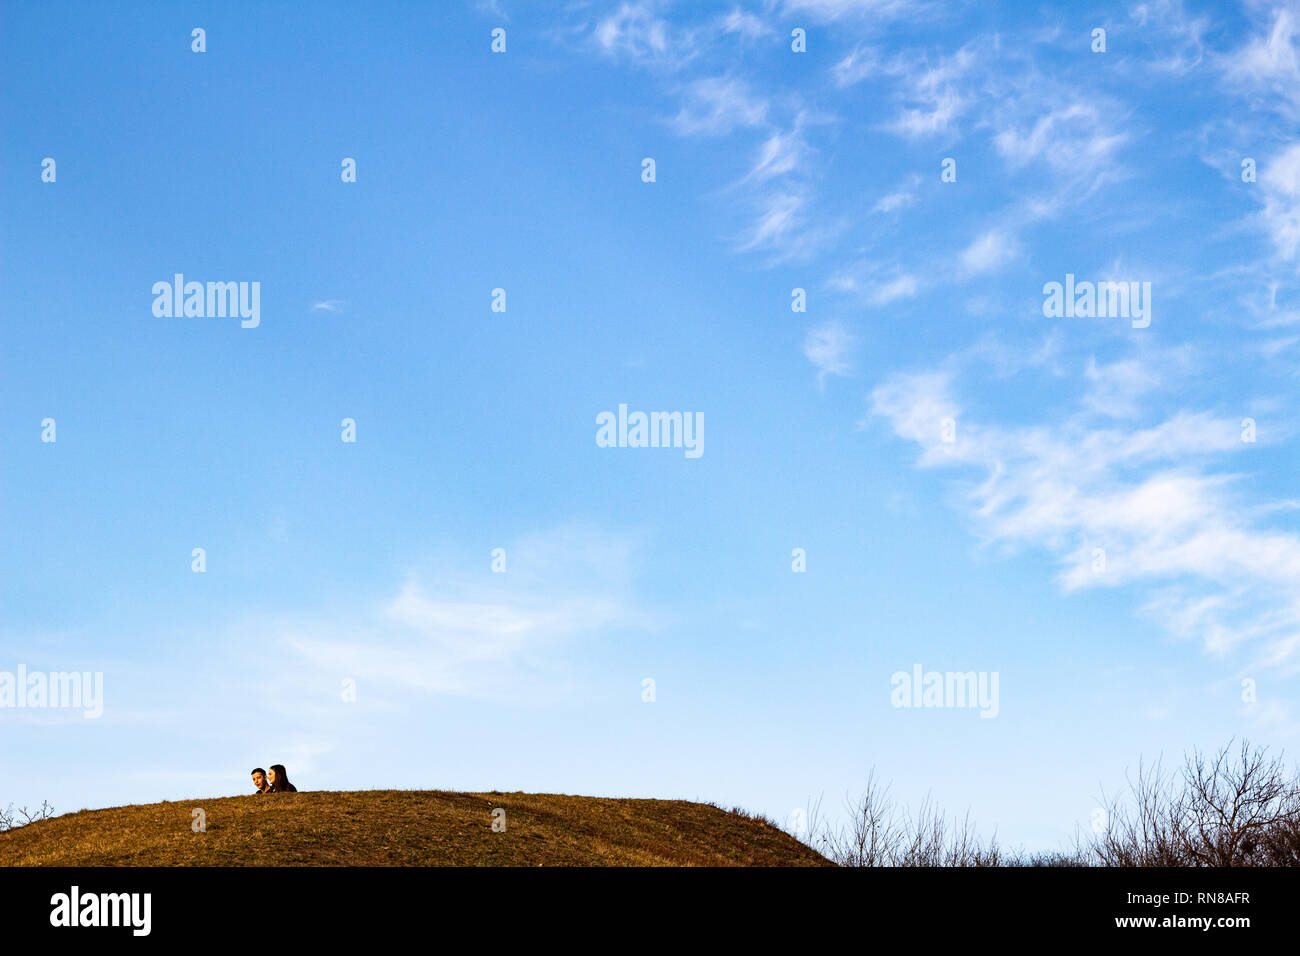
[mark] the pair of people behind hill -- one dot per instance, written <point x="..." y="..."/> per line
<point x="277" y="781"/>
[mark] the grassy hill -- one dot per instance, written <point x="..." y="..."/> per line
<point x="407" y="828"/>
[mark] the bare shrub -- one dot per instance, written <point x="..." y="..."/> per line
<point x="1238" y="807"/>
<point x="11" y="818"/>
<point x="879" y="833"/>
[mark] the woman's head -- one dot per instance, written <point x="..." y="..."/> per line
<point x="278" y="779"/>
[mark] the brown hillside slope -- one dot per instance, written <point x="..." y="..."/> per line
<point x="407" y="828"/>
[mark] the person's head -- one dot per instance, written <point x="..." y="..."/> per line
<point x="278" y="778"/>
<point x="259" y="778"/>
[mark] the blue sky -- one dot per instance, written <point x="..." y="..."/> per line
<point x="775" y="170"/>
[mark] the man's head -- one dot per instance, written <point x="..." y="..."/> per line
<point x="259" y="778"/>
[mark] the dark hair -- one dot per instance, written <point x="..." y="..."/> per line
<point x="258" y="770"/>
<point x="282" y="784"/>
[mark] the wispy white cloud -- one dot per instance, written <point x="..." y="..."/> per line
<point x="828" y="346"/>
<point x="930" y="94"/>
<point x="781" y="215"/>
<point x="480" y="635"/>
<point x="783" y="226"/>
<point x="636" y="31"/>
<point x="1149" y="497"/>
<point x="492" y="8"/>
<point x="745" y="24"/>
<point x="780" y="153"/>
<point x="829" y="11"/>
<point x="1279" y="181"/>
<point x="1177" y="37"/>
<point x="899" y="198"/>
<point x="934" y="117"/>
<point x="1264" y="72"/>
<point x="903" y="286"/>
<point x="1272" y="348"/>
<point x="874" y="283"/>
<point x="1262" y="305"/>
<point x="714" y="106"/>
<point x="1078" y="141"/>
<point x="856" y="66"/>
<point x="935" y="97"/>
<point x="1115" y="389"/>
<point x="328" y="305"/>
<point x="1269" y="62"/>
<point x="988" y="252"/>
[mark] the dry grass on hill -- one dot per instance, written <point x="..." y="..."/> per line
<point x="407" y="828"/>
